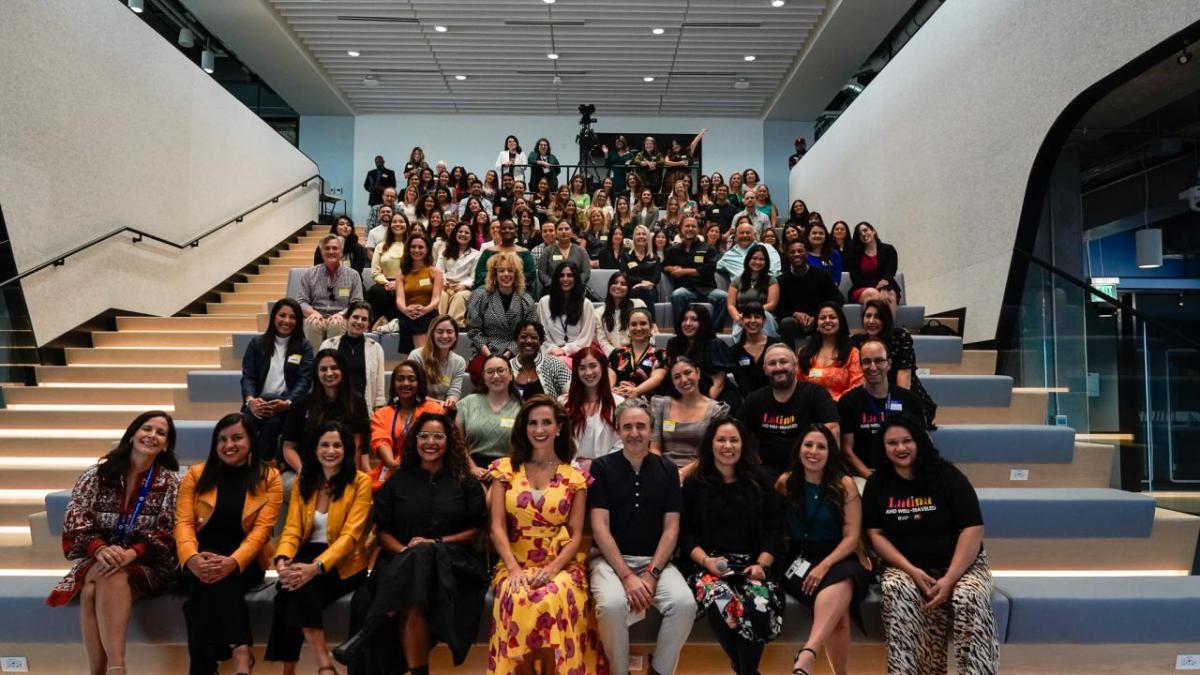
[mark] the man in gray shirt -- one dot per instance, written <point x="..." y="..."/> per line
<point x="326" y="290"/>
<point x="757" y="218"/>
<point x="389" y="200"/>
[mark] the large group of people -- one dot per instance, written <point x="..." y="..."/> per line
<point x="715" y="477"/>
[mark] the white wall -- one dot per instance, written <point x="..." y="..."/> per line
<point x="104" y="124"/>
<point x="937" y="151"/>
<point x="475" y="140"/>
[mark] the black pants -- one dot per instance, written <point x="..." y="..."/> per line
<point x="304" y="607"/>
<point x="646" y="295"/>
<point x="266" y="433"/>
<point x="217" y="618"/>
<point x="744" y="655"/>
<point x="383" y="302"/>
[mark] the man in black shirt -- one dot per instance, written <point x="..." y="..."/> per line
<point x="378" y="179"/>
<point x="502" y="206"/>
<point x="722" y="210"/>
<point x="780" y="413"/>
<point x="863" y="410"/>
<point x="635" y="501"/>
<point x="691" y="265"/>
<point x="802" y="289"/>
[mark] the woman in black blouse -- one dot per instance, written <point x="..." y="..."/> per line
<point x="428" y="578"/>
<point x="614" y="255"/>
<point x="731" y="532"/>
<point x="922" y="517"/>
<point x="695" y="339"/>
<point x="333" y="398"/>
<point x="643" y="267"/>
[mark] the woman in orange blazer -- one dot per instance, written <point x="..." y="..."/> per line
<point x="321" y="554"/>
<point x="224" y="517"/>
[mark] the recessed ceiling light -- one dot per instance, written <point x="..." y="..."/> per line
<point x="777" y="3"/>
<point x="440" y="29"/>
<point x="741" y="83"/>
<point x="749" y="57"/>
<point x="552" y="56"/>
<point x="370" y="81"/>
<point x="548" y="2"/>
<point x="460" y="78"/>
<point x="647" y="79"/>
<point x="657" y="31"/>
<point x="352" y="52"/>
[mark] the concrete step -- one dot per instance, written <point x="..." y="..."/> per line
<point x="1090" y="466"/>
<point x="272" y="273"/>
<point x="17" y="395"/>
<point x="198" y="356"/>
<point x="250" y="296"/>
<point x="59" y="473"/>
<point x="192" y="324"/>
<point x="131" y="338"/>
<point x="21" y="443"/>
<point x="1027" y="407"/>
<point x="94" y="374"/>
<point x="240" y="309"/>
<point x="974" y="362"/>
<point x="262" y="286"/>
<point x="63" y="417"/>
<point x="17" y="504"/>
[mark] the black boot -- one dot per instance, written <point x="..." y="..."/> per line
<point x="348" y="650"/>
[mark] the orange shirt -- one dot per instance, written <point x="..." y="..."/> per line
<point x="389" y="431"/>
<point x="836" y="379"/>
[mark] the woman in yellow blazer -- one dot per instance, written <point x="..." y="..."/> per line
<point x="321" y="554"/>
<point x="224" y="517"/>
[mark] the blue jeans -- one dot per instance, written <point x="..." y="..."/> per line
<point x="682" y="297"/>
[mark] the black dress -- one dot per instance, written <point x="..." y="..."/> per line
<point x="216" y="614"/>
<point x="448" y="580"/>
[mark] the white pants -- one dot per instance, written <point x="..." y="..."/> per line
<point x="672" y="598"/>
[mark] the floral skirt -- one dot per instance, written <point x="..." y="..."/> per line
<point x="754" y="609"/>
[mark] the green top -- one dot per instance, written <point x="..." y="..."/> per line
<point x="529" y="267"/>
<point x="487" y="433"/>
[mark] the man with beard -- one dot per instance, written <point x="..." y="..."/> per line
<point x="778" y="414"/>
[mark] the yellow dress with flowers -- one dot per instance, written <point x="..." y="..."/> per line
<point x="557" y="615"/>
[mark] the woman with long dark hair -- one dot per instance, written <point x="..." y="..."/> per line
<point x="694" y="338"/>
<point x="821" y="252"/>
<point x="511" y="159"/>
<point x="458" y="181"/>
<point x="537" y="505"/>
<point x="117" y="534"/>
<point x="879" y="324"/>
<point x="755" y="285"/>
<point x="638" y="368"/>
<point x="590" y="403"/>
<point x="543" y="164"/>
<point x="870" y="265"/>
<point x="842" y="241"/>
<point x="364" y="356"/>
<point x="332" y="398"/>
<point x="391" y="424"/>
<point x="929" y="560"/>
<point x="612" y="320"/>
<point x="276" y="372"/>
<point x="566" y="315"/>
<point x="613" y="252"/>
<point x="798" y="213"/>
<point x="646" y="211"/>
<point x="623" y="215"/>
<point x="385" y="268"/>
<point x="420" y="292"/>
<point x="681" y="419"/>
<point x="618" y="159"/>
<point x="823" y="521"/>
<point x="428" y="583"/>
<point x="829" y="358"/>
<point x="322" y="552"/>
<point x="224" y="518"/>
<point x="731" y="533"/>
<point x="561" y="250"/>
<point x="457" y="260"/>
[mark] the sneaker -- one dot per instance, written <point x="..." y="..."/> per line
<point x="392" y="326"/>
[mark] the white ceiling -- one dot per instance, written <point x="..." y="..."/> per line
<point x="605" y="50"/>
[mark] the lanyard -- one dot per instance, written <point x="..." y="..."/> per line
<point x="404" y="431"/>
<point x="126" y="521"/>
<point x="875" y="406"/>
<point x="811" y="519"/>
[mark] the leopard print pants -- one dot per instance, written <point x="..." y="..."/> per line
<point x="917" y="639"/>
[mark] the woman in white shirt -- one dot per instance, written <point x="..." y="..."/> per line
<point x="513" y="156"/>
<point x="589" y="403"/>
<point x="457" y="261"/>
<point x="566" y="314"/>
<point x="612" y="320"/>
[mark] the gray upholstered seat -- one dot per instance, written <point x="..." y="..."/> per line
<point x="1065" y="513"/>
<point x="1005" y="443"/>
<point x="969" y="391"/>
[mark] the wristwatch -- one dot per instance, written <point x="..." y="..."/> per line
<point x="656" y="572"/>
<point x="320" y="567"/>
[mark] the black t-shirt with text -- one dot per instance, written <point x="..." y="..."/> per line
<point x="923" y="523"/>
<point x="778" y="426"/>
<point x="862" y="415"/>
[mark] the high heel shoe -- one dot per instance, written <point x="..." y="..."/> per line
<point x="798" y="670"/>
<point x="345" y="652"/>
<point x="250" y="669"/>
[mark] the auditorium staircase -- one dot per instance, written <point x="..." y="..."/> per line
<point x="1088" y="577"/>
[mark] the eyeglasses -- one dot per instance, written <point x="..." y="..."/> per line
<point x="873" y="362"/>
<point x="431" y="436"/>
<point x="331" y="295"/>
<point x="495" y="371"/>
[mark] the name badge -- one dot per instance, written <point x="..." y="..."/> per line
<point x="816" y="372"/>
<point x="648" y="363"/>
<point x="699" y="259"/>
<point x="745" y="361"/>
<point x="895" y="406"/>
<point x="506" y="422"/>
<point x="556" y="257"/>
<point x="425" y="282"/>
<point x="343" y="292"/>
<point x="294" y="359"/>
<point x="797" y="569"/>
<point x="632" y="264"/>
<point x="604" y="237"/>
<point x="669" y="426"/>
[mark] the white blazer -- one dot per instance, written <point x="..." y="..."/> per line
<point x="375" y="392"/>
<point x="502" y="161"/>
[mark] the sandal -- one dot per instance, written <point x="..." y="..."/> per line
<point x="801" y="671"/>
<point x="251" y="669"/>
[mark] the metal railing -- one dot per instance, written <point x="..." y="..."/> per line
<point x="139" y="235"/>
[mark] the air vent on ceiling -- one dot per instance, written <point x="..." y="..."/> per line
<point x="377" y="19"/>
<point x="711" y="73"/>
<point x="552" y="72"/>
<point x="722" y="24"/>
<point x="543" y="22"/>
<point x="405" y="70"/>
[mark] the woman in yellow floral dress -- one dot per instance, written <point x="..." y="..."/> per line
<point x="541" y="615"/>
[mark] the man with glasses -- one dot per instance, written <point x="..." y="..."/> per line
<point x="863" y="410"/>
<point x="326" y="290"/>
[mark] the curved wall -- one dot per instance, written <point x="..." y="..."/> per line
<point x="104" y="124"/>
<point x="936" y="153"/>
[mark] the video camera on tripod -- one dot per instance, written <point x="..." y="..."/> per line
<point x="586" y="139"/>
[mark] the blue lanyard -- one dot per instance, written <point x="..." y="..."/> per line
<point x="875" y="406"/>
<point x="126" y="522"/>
